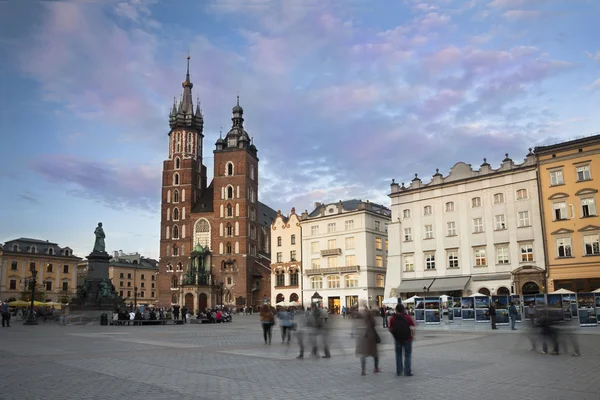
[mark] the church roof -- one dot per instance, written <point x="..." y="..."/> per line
<point x="205" y="202"/>
<point x="266" y="215"/>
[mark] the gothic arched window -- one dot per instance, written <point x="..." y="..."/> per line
<point x="229" y="229"/>
<point x="175" y="235"/>
<point x="188" y="143"/>
<point x="229" y="167"/>
<point x="178" y="143"/>
<point x="175" y="179"/>
<point x="175" y="215"/>
<point x="229" y="192"/>
<point x="177" y="163"/>
<point x="228" y="248"/>
<point x="176" y="196"/>
<point x="229" y="210"/>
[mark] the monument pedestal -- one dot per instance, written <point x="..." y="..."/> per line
<point x="92" y="300"/>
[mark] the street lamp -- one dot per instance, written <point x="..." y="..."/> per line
<point x="30" y="318"/>
<point x="135" y="295"/>
<point x="221" y="284"/>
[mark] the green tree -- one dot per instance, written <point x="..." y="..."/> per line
<point x="38" y="295"/>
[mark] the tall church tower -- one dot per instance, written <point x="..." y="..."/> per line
<point x="183" y="181"/>
<point x="235" y="199"/>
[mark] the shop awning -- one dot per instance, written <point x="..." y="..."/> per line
<point x="414" y="285"/>
<point x="447" y="284"/>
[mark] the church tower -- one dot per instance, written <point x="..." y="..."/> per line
<point x="183" y="182"/>
<point x="235" y="199"/>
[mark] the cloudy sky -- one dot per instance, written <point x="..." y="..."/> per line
<point x="340" y="96"/>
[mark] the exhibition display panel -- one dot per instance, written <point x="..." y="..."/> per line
<point x="468" y="312"/>
<point x="501" y="304"/>
<point x="432" y="310"/>
<point x="586" y="304"/>
<point x="420" y="309"/>
<point x="516" y="299"/>
<point x="482" y="304"/>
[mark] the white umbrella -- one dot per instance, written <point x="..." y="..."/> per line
<point x="411" y="300"/>
<point x="444" y="298"/>
<point x="295" y="303"/>
<point x="562" y="291"/>
<point x="596" y="291"/>
<point x="478" y="295"/>
<point x="391" y="300"/>
<point x="281" y="304"/>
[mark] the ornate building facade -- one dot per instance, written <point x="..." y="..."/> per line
<point x="286" y="259"/>
<point x="214" y="237"/>
<point x="568" y="174"/>
<point x="56" y="268"/>
<point x="344" y="251"/>
<point x="470" y="231"/>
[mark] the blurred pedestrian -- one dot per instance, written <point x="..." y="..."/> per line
<point x="5" y="315"/>
<point x="267" y="319"/>
<point x="367" y="341"/>
<point x="287" y="322"/>
<point x="513" y="313"/>
<point x="492" y="312"/>
<point x="402" y="328"/>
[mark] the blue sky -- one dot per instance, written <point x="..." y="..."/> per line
<point x="340" y="97"/>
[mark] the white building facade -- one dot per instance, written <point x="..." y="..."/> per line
<point x="473" y="231"/>
<point x="344" y="253"/>
<point x="286" y="259"/>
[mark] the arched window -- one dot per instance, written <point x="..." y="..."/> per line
<point x="229" y="169"/>
<point x="229" y="192"/>
<point x="294" y="297"/>
<point x="379" y="281"/>
<point x="280" y="297"/>
<point x="179" y="266"/>
<point x="15" y="247"/>
<point x="175" y="251"/>
<point x="175" y="232"/>
<point x="229" y="229"/>
<point x="51" y="251"/>
<point x="228" y="248"/>
<point x="176" y="196"/>
<point x="351" y="281"/>
<point x="174" y="299"/>
<point x="202" y="233"/>
<point x="174" y="282"/>
<point x="168" y="196"/>
<point x="294" y="278"/>
<point x="33" y="249"/>
<point x="229" y="280"/>
<point x="175" y="179"/>
<point x="333" y="281"/>
<point x="169" y="267"/>
<point x="178" y="143"/>
<point x="316" y="282"/>
<point x="279" y="278"/>
<point x="175" y="214"/>
<point x="252" y="195"/>
<point x="502" y="291"/>
<point x="484" y="291"/>
<point x="168" y="232"/>
<point x="229" y="210"/>
<point x="251" y="171"/>
<point x="188" y="143"/>
<point x="177" y="163"/>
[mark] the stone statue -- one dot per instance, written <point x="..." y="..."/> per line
<point x="105" y="289"/>
<point x="99" y="246"/>
<point x="83" y="289"/>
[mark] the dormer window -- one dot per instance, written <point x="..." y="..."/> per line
<point x="15" y="247"/>
<point x="50" y="251"/>
<point x="232" y="141"/>
<point x="33" y="249"/>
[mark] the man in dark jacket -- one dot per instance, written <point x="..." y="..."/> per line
<point x="403" y="340"/>
<point x="513" y="313"/>
<point x="492" y="312"/>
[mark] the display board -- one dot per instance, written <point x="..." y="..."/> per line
<point x="432" y="310"/>
<point x="566" y="307"/>
<point x="457" y="307"/>
<point x="597" y="298"/>
<point x="586" y="305"/>
<point x="467" y="309"/>
<point x="419" y="309"/>
<point x="482" y="304"/>
<point x="450" y="309"/>
<point x="540" y="300"/>
<point x="501" y="303"/>
<point x="529" y="306"/>
<point x="555" y="307"/>
<point x="516" y="299"/>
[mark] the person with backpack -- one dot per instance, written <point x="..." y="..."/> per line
<point x="402" y="328"/>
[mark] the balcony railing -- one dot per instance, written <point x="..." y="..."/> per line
<point x="331" y="252"/>
<point x="334" y="270"/>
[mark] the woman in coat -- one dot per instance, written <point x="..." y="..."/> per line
<point x="366" y="341"/>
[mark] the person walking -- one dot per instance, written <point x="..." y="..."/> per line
<point x="492" y="312"/>
<point x="184" y="312"/>
<point x="267" y="319"/>
<point x="513" y="313"/>
<point x="5" y="316"/>
<point x="366" y="343"/>
<point x="402" y="328"/>
<point x="383" y="313"/>
<point x="287" y="322"/>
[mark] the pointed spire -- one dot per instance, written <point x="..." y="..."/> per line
<point x="198" y="111"/>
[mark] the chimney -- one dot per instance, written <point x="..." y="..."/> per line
<point x="317" y="204"/>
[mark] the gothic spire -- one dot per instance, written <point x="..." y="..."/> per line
<point x="182" y="115"/>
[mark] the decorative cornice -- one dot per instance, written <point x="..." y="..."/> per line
<point x="589" y="228"/>
<point x="585" y="191"/>
<point x="557" y="196"/>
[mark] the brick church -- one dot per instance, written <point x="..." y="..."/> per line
<point x="214" y="239"/>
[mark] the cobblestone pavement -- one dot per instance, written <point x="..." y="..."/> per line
<point x="230" y="361"/>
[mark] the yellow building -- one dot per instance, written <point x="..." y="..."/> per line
<point x="56" y="268"/>
<point x="569" y="176"/>
<point x="133" y="276"/>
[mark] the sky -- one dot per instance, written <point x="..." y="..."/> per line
<point x="340" y="97"/>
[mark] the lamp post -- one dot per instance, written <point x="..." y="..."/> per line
<point x="135" y="295"/>
<point x="221" y="285"/>
<point x="30" y="317"/>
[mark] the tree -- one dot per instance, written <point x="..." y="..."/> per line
<point x="38" y="295"/>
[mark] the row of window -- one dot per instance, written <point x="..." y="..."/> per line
<point x="50" y="251"/>
<point x="349" y="242"/>
<point x="479" y="256"/>
<point x="451" y="230"/>
<point x="142" y="284"/>
<point x="587" y="208"/>
<point x="14" y="266"/>
<point x="475" y="203"/>
<point x="334" y="282"/>
<point x="177" y="144"/>
<point x="591" y="246"/>
<point x="175" y="216"/>
<point x="292" y="256"/>
<point x="13" y="285"/>
<point x="292" y="240"/>
<point x="142" y="294"/>
<point x="175" y="196"/>
<point x="348" y="225"/>
<point x="582" y="173"/>
<point x="350" y="261"/>
<point x="280" y="278"/>
<point x="230" y="169"/>
<point x="142" y="276"/>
